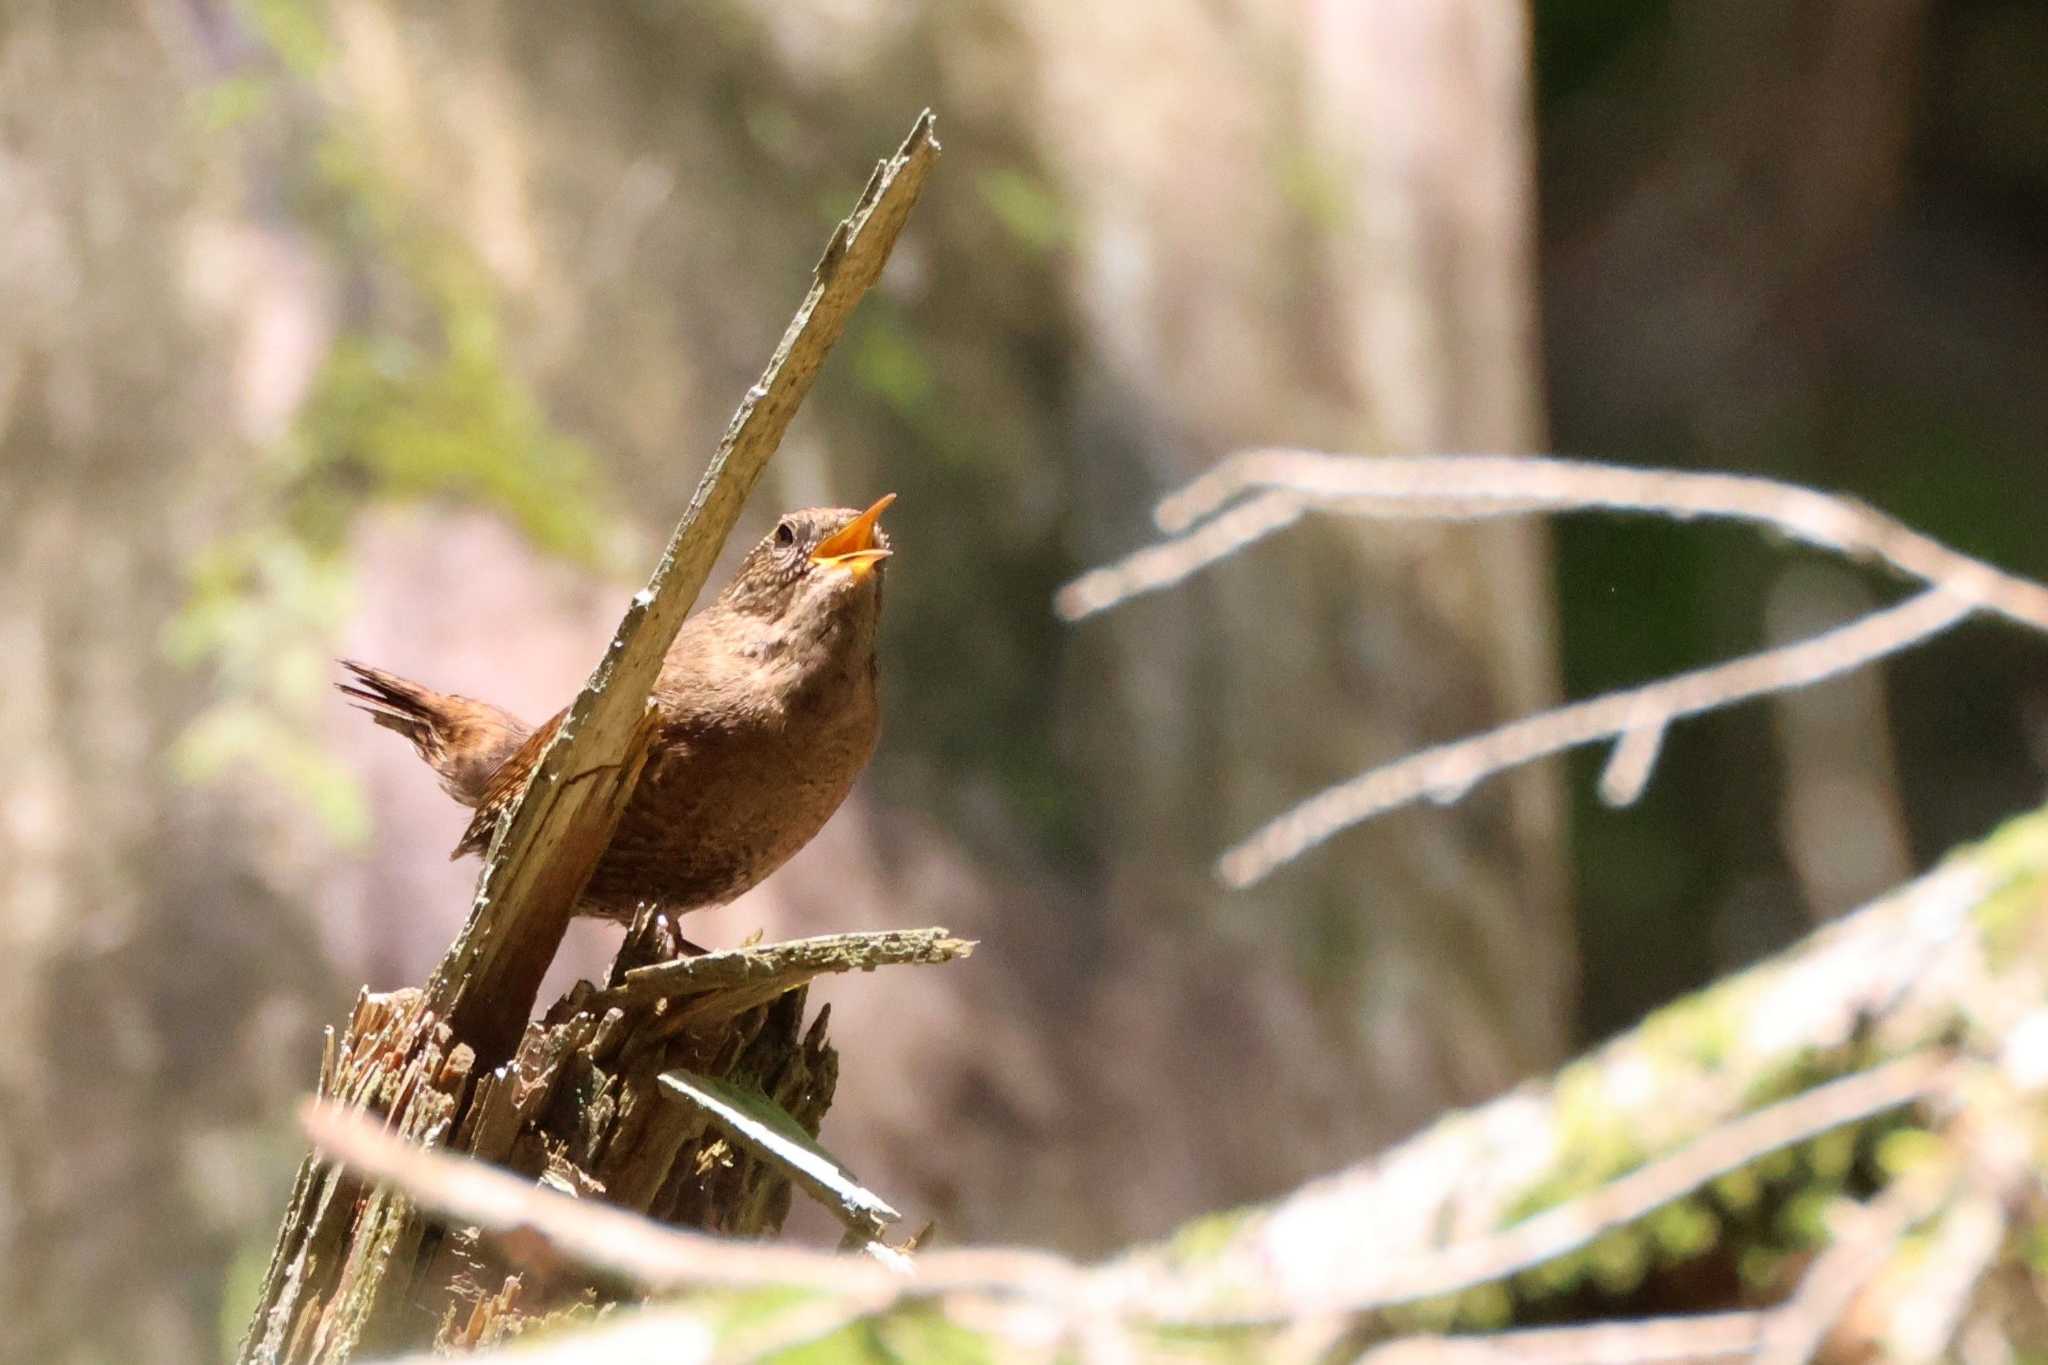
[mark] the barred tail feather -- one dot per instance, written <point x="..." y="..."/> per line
<point x="463" y="740"/>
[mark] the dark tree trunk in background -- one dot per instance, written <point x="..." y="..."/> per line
<point x="1802" y="240"/>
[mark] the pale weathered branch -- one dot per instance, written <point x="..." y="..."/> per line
<point x="1923" y="995"/>
<point x="545" y="1226"/>
<point x="1864" y="1237"/>
<point x="1578" y="1222"/>
<point x="1643" y="1341"/>
<point x="1500" y="485"/>
<point x="1284" y="485"/>
<point x="1446" y="772"/>
<point x="1624" y="1129"/>
<point x="784" y="966"/>
<point x="1163" y="565"/>
<point x="652" y="1256"/>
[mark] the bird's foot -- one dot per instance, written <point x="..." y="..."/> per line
<point x="653" y="936"/>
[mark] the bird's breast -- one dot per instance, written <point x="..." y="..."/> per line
<point x="734" y="786"/>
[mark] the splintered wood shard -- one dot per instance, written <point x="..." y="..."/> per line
<point x="765" y="1128"/>
<point x="770" y="969"/>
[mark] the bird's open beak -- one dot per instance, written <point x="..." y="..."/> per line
<point x="853" y="547"/>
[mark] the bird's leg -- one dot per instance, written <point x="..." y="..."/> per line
<point x="644" y="944"/>
<point x="678" y="946"/>
<point x="652" y="936"/>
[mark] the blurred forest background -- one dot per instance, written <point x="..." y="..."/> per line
<point x="403" y="332"/>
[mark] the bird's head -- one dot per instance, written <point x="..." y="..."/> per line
<point x="817" y="566"/>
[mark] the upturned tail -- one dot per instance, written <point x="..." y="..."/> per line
<point x="463" y="740"/>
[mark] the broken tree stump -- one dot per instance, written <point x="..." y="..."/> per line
<point x="574" y="1099"/>
<point x="579" y="1107"/>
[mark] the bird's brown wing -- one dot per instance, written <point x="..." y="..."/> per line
<point x="504" y="787"/>
<point x="463" y="740"/>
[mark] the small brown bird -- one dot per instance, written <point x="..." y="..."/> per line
<point x="767" y="711"/>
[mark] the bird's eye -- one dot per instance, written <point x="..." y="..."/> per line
<point x="785" y="535"/>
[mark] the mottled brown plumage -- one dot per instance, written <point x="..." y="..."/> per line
<point x="767" y="711"/>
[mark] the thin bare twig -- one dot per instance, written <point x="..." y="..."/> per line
<point x="547" y="1227"/>
<point x="1161" y="566"/>
<point x="1643" y="1341"/>
<point x="665" y="1334"/>
<point x="1501" y="485"/>
<point x="1286" y="484"/>
<point x="1320" y="1232"/>
<point x="550" y="1226"/>
<point x="1925" y="1313"/>
<point x="1914" y="1301"/>
<point x="1448" y="771"/>
<point x="1864" y="1238"/>
<point x="1634" y="758"/>
<point x="543" y="1224"/>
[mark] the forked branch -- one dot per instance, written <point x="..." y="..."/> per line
<point x="1258" y="493"/>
